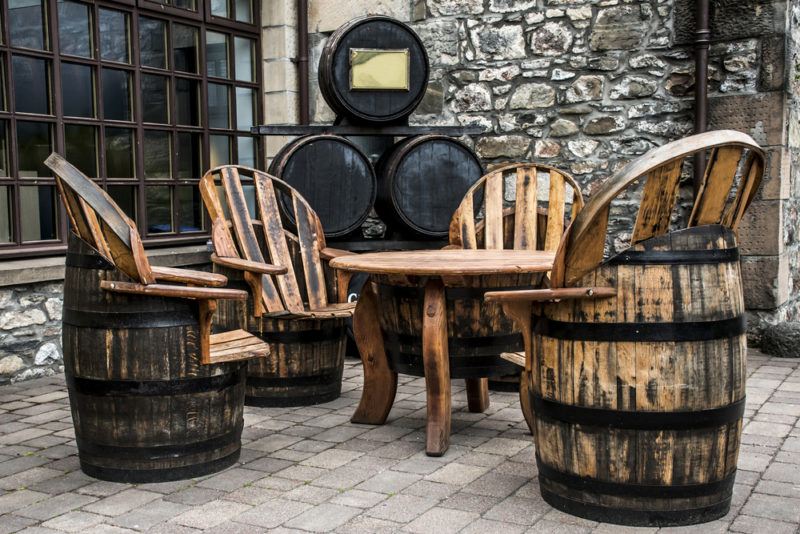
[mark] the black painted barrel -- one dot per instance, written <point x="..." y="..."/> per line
<point x="478" y="331"/>
<point x="422" y="181"/>
<point x="373" y="69"/>
<point x="638" y="399"/>
<point x="333" y="175"/>
<point x="144" y="408"/>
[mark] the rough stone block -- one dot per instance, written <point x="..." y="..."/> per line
<point x="278" y="42"/>
<point x="766" y="281"/>
<point x="281" y="108"/>
<point x="280" y="75"/>
<point x="732" y="19"/>
<point x="760" y="233"/>
<point x="759" y="115"/>
<point x="327" y="15"/>
<point x="777" y="180"/>
<point x="771" y="75"/>
<point x="279" y="13"/>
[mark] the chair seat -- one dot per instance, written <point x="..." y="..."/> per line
<point x="331" y="311"/>
<point x="236" y="345"/>
<point x="514" y="357"/>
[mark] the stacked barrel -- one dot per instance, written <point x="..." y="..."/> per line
<point x="374" y="72"/>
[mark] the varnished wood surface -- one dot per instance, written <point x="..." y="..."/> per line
<point x="437" y="369"/>
<point x="547" y="295"/>
<point x="448" y="262"/>
<point x="186" y="276"/>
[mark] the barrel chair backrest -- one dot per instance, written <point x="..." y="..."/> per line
<point x="99" y="221"/>
<point x="545" y="199"/>
<point x="234" y="234"/>
<point x="733" y="173"/>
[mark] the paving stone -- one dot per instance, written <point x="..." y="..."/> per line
<point x="253" y="495"/>
<point x="273" y="443"/>
<point x="268" y="465"/>
<point x="195" y="496"/>
<point x="122" y="502"/>
<point x="517" y="510"/>
<point x="434" y="490"/>
<point x="487" y="526"/>
<point x="369" y="525"/>
<point x="231" y="479"/>
<point x="784" y="489"/>
<point x="13" y="523"/>
<point x="272" y="513"/>
<point x="17" y="465"/>
<point x="210" y="514"/>
<point x="75" y="521"/>
<point x="441" y="521"/>
<point x="759" y="525"/>
<point x="388" y="482"/>
<point x="332" y="458"/>
<point x="149" y="515"/>
<point x="29" y="477"/>
<point x="55" y="506"/>
<point x="103" y="488"/>
<point x="502" y="446"/>
<point x="783" y="472"/>
<point x="496" y="484"/>
<point x="302" y="473"/>
<point x="310" y="494"/>
<point x="358" y="498"/>
<point x="108" y="529"/>
<point x="401" y="508"/>
<point x="16" y="500"/>
<point x="773" y="507"/>
<point x="775" y="430"/>
<point x="470" y="502"/>
<point x="457" y="473"/>
<point x="340" y="434"/>
<point x="323" y="518"/>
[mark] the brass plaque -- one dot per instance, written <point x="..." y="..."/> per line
<point x="381" y="70"/>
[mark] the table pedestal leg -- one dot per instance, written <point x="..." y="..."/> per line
<point x="437" y="368"/>
<point x="380" y="382"/>
<point x="477" y="394"/>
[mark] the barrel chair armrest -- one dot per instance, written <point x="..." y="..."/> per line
<point x="165" y="290"/>
<point x="187" y="276"/>
<point x="329" y="253"/>
<point x="451" y="247"/>
<point x="545" y="295"/>
<point x="248" y="266"/>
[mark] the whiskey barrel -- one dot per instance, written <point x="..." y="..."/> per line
<point x="144" y="408"/>
<point x="638" y="400"/>
<point x="478" y="331"/>
<point x="306" y="358"/>
<point x="422" y="181"/>
<point x="333" y="175"/>
<point x="382" y="99"/>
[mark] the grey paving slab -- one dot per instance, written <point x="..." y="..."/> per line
<point x="309" y="469"/>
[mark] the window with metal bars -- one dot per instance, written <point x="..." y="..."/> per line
<point x="142" y="95"/>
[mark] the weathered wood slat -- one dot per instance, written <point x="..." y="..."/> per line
<point x="493" y="223"/>
<point x="526" y="210"/>
<point x="555" y="211"/>
<point x="716" y="186"/>
<point x="309" y="253"/>
<point x="658" y="201"/>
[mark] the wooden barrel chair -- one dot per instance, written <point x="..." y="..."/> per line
<point x="154" y="395"/>
<point x="522" y="206"/>
<point x="295" y="312"/>
<point x="636" y="362"/>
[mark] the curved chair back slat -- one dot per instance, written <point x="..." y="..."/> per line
<point x="482" y="221"/>
<point x="283" y="295"/>
<point x="733" y="173"/>
<point x="99" y="221"/>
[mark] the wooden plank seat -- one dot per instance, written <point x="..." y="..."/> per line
<point x="636" y="372"/>
<point x="295" y="311"/>
<point x="545" y="201"/>
<point x="139" y="336"/>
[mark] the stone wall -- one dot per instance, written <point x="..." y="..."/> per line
<point x="30" y="331"/>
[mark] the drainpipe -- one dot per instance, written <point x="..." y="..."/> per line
<point x="701" y="44"/>
<point x="302" y="59"/>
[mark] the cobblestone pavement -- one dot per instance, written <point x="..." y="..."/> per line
<point x="309" y="469"/>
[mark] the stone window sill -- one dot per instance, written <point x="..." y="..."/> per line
<point x="34" y="270"/>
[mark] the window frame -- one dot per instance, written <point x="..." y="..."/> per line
<point x="203" y="22"/>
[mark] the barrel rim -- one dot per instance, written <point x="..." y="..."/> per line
<point x="395" y="156"/>
<point x="325" y="68"/>
<point x="283" y="156"/>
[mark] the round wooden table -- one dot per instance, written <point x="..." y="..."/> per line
<point x="431" y="270"/>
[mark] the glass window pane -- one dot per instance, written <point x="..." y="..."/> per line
<point x="5" y="215"/>
<point x="157" y="149"/>
<point x="5" y="170"/>
<point x="77" y="90"/>
<point x="245" y="51"/>
<point x="31" y="84"/>
<point x="216" y="54"/>
<point x="38" y="212"/>
<point x="186" y="42"/>
<point x="219" y="8"/>
<point x="190" y="209"/>
<point x="159" y="209"/>
<point x="246" y="147"/>
<point x="34" y="144"/>
<point x="245" y="108"/>
<point x="119" y="153"/>
<point x="187" y="96"/>
<point x="26" y="24"/>
<point x="80" y="143"/>
<point x="244" y="10"/>
<point x="116" y="94"/>
<point x="153" y="42"/>
<point x="3" y="92"/>
<point x="189" y="151"/>
<point x="74" y="29"/>
<point x="155" y="98"/>
<point x="218" y="106"/>
<point x="186" y="4"/>
<point x="125" y="197"/>
<point x="114" y="36"/>
<point x="220" y="146"/>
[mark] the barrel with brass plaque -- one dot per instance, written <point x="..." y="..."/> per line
<point x="373" y="70"/>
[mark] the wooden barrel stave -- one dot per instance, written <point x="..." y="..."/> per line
<point x="421" y="182"/>
<point x="595" y="468"/>
<point x="306" y="361"/>
<point x="333" y="175"/>
<point x="478" y="331"/>
<point x="131" y="364"/>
